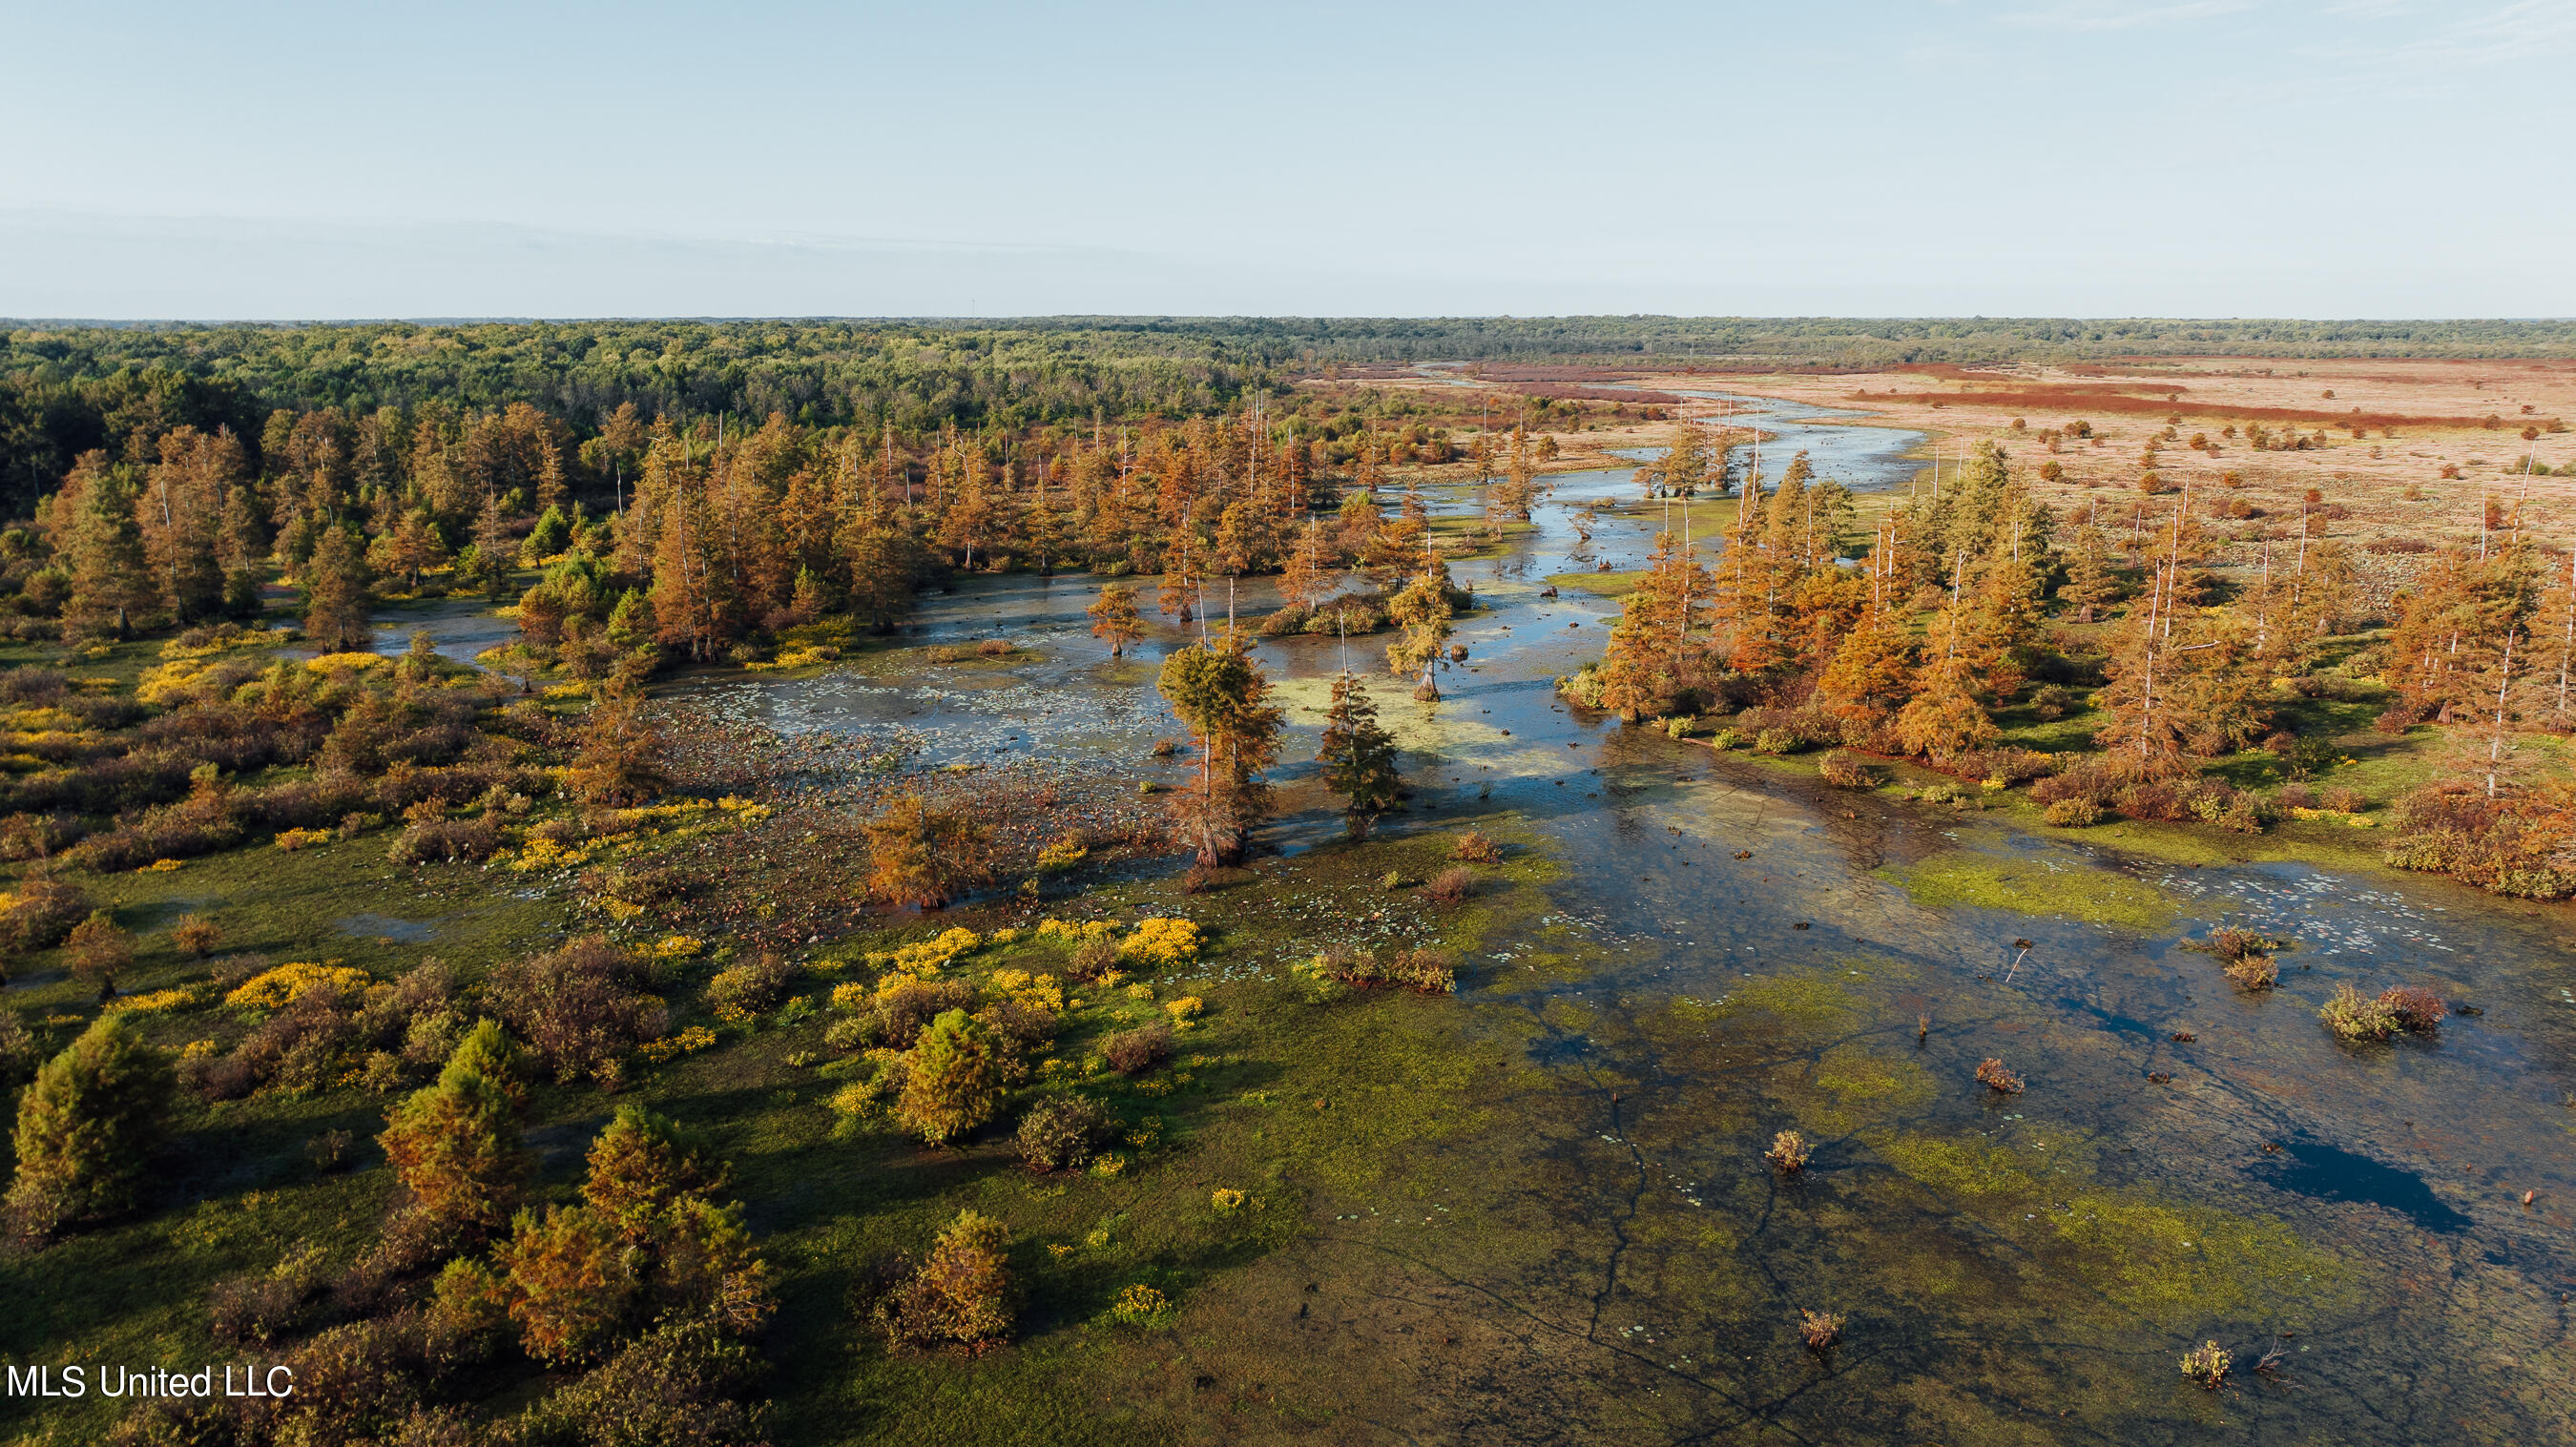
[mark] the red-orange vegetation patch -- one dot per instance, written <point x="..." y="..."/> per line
<point x="2079" y="398"/>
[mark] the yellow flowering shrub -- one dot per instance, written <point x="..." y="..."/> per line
<point x="926" y="958"/>
<point x="1074" y="933"/>
<point x="1038" y="992"/>
<point x="199" y="1050"/>
<point x="617" y="909"/>
<point x="289" y="982"/>
<point x="857" y="1099"/>
<point x="41" y="722"/>
<point x="225" y="638"/>
<point x="638" y="817"/>
<point x="1227" y="1198"/>
<point x="795" y="657"/>
<point x="1061" y="855"/>
<point x="743" y="809"/>
<point x="154" y="1003"/>
<point x="345" y="662"/>
<point x="866" y="1099"/>
<point x="293" y="839"/>
<point x="546" y="853"/>
<point x="1161" y="941"/>
<point x="696" y="1037"/>
<point x="1140" y="1306"/>
<point x="1184" y="1010"/>
<point x="677" y="947"/>
<point x="165" y="683"/>
<point x="852" y="996"/>
<point x="162" y="866"/>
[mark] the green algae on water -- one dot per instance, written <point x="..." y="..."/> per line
<point x="1857" y="1075"/>
<point x="1802" y="1001"/>
<point x="1604" y="585"/>
<point x="1962" y="879"/>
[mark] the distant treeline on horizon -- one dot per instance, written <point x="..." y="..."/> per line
<point x="69" y="387"/>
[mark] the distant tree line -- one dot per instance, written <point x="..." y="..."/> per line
<point x="67" y="389"/>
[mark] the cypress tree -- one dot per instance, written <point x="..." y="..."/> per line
<point x="87" y="1127"/>
<point x="1358" y="756"/>
<point x="640" y="1165"/>
<point x="455" y="1145"/>
<point x="1114" y="617"/>
<point x="1218" y="694"/>
<point x="953" y="1078"/>
<point x="337" y="593"/>
<point x="111" y="578"/>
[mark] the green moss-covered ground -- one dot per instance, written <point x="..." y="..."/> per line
<point x="1537" y="1210"/>
<point x="1296" y="1105"/>
<point x="1960" y="878"/>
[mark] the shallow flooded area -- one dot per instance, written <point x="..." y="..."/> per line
<point x="1730" y="950"/>
<point x="1864" y="458"/>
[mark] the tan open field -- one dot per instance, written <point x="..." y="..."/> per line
<point x="2419" y="416"/>
<point x="2379" y="439"/>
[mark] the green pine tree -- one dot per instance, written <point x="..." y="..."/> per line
<point x="87" y="1127"/>
<point x="455" y="1145"/>
<point x="1358" y="756"/>
<point x="953" y="1078"/>
<point x="338" y="590"/>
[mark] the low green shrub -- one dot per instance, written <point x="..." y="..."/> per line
<point x="961" y="1293"/>
<point x="1060" y="1135"/>
<point x="1844" y="770"/>
<point x="2353" y="1016"/>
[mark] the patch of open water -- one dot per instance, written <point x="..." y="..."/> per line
<point x="2005" y="1259"/>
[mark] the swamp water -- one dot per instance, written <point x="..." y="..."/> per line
<point x="1595" y="1249"/>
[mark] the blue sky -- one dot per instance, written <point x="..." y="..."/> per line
<point x="2063" y="157"/>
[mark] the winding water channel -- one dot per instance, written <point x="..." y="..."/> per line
<point x="1754" y="960"/>
<point x="1734" y="950"/>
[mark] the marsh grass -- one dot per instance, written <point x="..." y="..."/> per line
<point x="1994" y="1075"/>
<point x="237" y="1192"/>
<point x="2243" y="956"/>
<point x="2353" y="1016"/>
<point x="2207" y="1365"/>
<point x="1788" y="1153"/>
<point x="2400" y="1009"/>
<point x="1821" y="1330"/>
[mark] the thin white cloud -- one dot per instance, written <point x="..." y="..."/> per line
<point x="2522" y="30"/>
<point x="2096" y="15"/>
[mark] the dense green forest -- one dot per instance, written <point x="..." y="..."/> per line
<point x="68" y="388"/>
